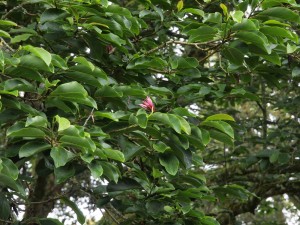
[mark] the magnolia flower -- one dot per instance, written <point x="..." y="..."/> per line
<point x="148" y="104"/>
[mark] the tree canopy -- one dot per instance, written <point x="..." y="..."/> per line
<point x="154" y="111"/>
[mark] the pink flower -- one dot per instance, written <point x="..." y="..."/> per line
<point x="148" y="104"/>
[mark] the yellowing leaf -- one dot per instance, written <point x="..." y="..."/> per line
<point x="225" y="10"/>
<point x="180" y="5"/>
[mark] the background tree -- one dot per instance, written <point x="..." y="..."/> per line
<point x="217" y="136"/>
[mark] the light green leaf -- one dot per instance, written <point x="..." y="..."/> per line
<point x="114" y="154"/>
<point x="4" y="34"/>
<point x="7" y="23"/>
<point x="225" y="10"/>
<point x="37" y="121"/>
<point x="179" y="5"/>
<point x="104" y="3"/>
<point x="219" y="117"/>
<point x="19" y="38"/>
<point x="39" y="52"/>
<point x="237" y="16"/>
<point x="63" y="123"/>
<point x="14" y="93"/>
<point x="160" y="147"/>
<point x="84" y="62"/>
<point x="194" y="11"/>
<point x="61" y="156"/>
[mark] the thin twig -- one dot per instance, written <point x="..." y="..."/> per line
<point x="123" y="129"/>
<point x="42" y="202"/>
<point x="195" y="44"/>
<point x="14" y="9"/>
<point x="6" y="45"/>
<point x="110" y="214"/>
<point x="6" y="221"/>
<point x="89" y="117"/>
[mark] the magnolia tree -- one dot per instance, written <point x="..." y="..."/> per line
<point x="154" y="111"/>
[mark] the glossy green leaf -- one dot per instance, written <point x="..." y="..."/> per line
<point x="32" y="148"/>
<point x="112" y="38"/>
<point x="73" y="91"/>
<point x="60" y="156"/>
<point x="256" y="38"/>
<point x="15" y="131"/>
<point x="170" y="163"/>
<point x="84" y="62"/>
<point x="110" y="171"/>
<point x="7" y="23"/>
<point x="6" y="181"/>
<point x="278" y="31"/>
<point x="114" y="154"/>
<point x="4" y="34"/>
<point x="63" y="123"/>
<point x="39" y="52"/>
<point x="37" y="121"/>
<point x="160" y="147"/>
<point x="9" y="168"/>
<point x="207" y="220"/>
<point x="246" y="25"/>
<point x="282" y="13"/>
<point x="220" y="125"/>
<point x="96" y="169"/>
<point x="79" y="142"/>
<point x="221" y="137"/>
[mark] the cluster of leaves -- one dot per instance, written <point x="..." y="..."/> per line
<point x="73" y="74"/>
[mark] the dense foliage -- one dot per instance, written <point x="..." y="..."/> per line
<point x="156" y="111"/>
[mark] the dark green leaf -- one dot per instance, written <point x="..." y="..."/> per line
<point x="169" y="162"/>
<point x="96" y="169"/>
<point x="32" y="148"/>
<point x="74" y="207"/>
